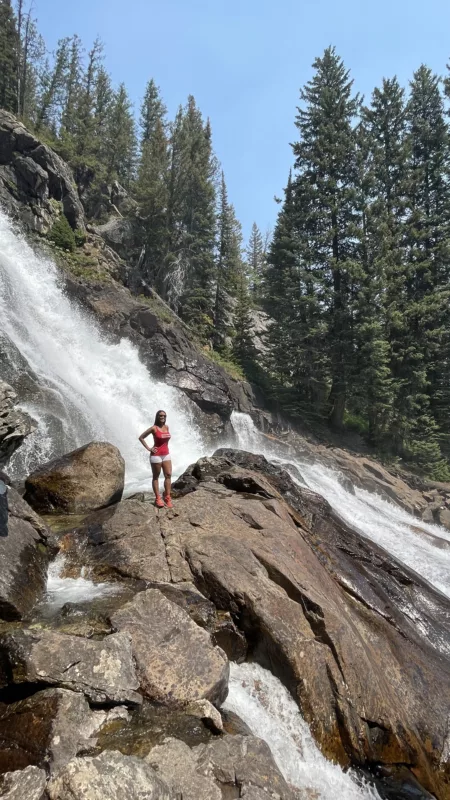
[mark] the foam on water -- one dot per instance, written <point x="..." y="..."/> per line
<point x="266" y="706"/>
<point x="100" y="389"/>
<point x="419" y="545"/>
<point x="71" y="590"/>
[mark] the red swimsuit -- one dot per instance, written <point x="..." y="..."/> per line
<point x="161" y="439"/>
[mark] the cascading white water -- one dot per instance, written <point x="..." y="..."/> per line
<point x="72" y="590"/>
<point x="266" y="706"/>
<point x="419" y="545"/>
<point x="100" y="390"/>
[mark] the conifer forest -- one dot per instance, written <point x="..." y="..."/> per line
<point x="353" y="283"/>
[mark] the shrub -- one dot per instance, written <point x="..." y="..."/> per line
<point x="62" y="234"/>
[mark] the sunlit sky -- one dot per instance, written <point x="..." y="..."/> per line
<point x="245" y="60"/>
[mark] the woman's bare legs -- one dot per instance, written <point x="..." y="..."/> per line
<point x="167" y="470"/>
<point x="156" y="470"/>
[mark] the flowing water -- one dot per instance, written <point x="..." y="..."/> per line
<point x="91" y="388"/>
<point x="420" y="545"/>
<point x="94" y="389"/>
<point x="271" y="713"/>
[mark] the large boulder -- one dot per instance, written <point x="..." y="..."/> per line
<point x="26" y="784"/>
<point x="23" y="555"/>
<point x="232" y="766"/>
<point x="101" y="670"/>
<point x="109" y="776"/>
<point x="15" y="425"/>
<point x="361" y="641"/>
<point x="46" y="729"/>
<point x="123" y="540"/>
<point x="86" y="479"/>
<point x="32" y="175"/>
<point x="175" y="660"/>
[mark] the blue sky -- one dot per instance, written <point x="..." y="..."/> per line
<point x="245" y="60"/>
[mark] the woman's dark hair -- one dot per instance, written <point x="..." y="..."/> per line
<point x="157" y="415"/>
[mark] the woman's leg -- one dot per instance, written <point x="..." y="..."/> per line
<point x="156" y="470"/>
<point x="167" y="470"/>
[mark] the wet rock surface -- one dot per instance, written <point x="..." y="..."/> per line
<point x="23" y="555"/>
<point x="124" y="540"/>
<point x="102" y="670"/>
<point x="175" y="660"/>
<point x="359" y="639"/>
<point x="46" y="729"/>
<point x="86" y="479"/>
<point x="15" y="425"/>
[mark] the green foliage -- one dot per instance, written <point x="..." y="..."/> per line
<point x="62" y="235"/>
<point x="228" y="364"/>
<point x="9" y="57"/>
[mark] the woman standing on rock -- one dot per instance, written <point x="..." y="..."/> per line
<point x="160" y="457"/>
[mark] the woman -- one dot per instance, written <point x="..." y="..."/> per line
<point x="159" y="457"/>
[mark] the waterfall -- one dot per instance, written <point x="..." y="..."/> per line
<point x="270" y="712"/>
<point x="91" y="388"/>
<point x="420" y="545"/>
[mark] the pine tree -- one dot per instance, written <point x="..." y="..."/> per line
<point x="379" y="322"/>
<point x="152" y="193"/>
<point x="120" y="139"/>
<point x="88" y="129"/>
<point x="71" y="104"/>
<point x="9" y="57"/>
<point x="30" y="60"/>
<point x="328" y="218"/>
<point x="243" y="348"/>
<point x="153" y="112"/>
<point x="229" y="267"/>
<point x="53" y="85"/>
<point x="255" y="257"/>
<point x="428" y="273"/>
<point x="191" y="220"/>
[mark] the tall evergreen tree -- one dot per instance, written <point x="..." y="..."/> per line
<point x="243" y="347"/>
<point x="255" y="258"/>
<point x="9" y="57"/>
<point x="53" y="85"/>
<point x="229" y="267"/>
<point x="191" y="219"/>
<point x="153" y="112"/>
<point x="328" y="222"/>
<point x="87" y="130"/>
<point x="379" y="323"/>
<point x="427" y="381"/>
<point x="121" y="139"/>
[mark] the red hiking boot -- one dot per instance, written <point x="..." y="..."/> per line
<point x="168" y="501"/>
<point x="159" y="501"/>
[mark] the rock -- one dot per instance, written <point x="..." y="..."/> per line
<point x="15" y="425"/>
<point x="86" y="479"/>
<point x="360" y="640"/>
<point x="244" y="763"/>
<point x="102" y="670"/>
<point x="175" y="660"/>
<point x="23" y="555"/>
<point x="109" y="776"/>
<point x="122" y="540"/>
<point x="25" y="784"/>
<point x="203" y="709"/>
<point x="31" y="175"/>
<point x="176" y="764"/>
<point x="46" y="729"/>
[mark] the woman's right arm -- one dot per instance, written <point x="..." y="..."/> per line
<point x="144" y="436"/>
